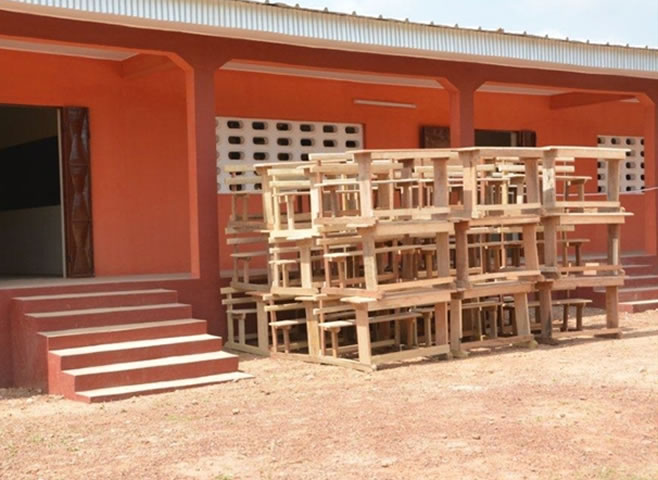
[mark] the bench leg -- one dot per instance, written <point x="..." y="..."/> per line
<point x="286" y="339"/>
<point x="579" y="317"/>
<point x="397" y="334"/>
<point x="231" y="327"/>
<point x="478" y="318"/>
<point x="441" y="324"/>
<point x="323" y="342"/>
<point x="427" y="325"/>
<point x="312" y="333"/>
<point x="456" y="328"/>
<point x="565" y="318"/>
<point x="334" y="341"/>
<point x="612" y="307"/>
<point x="411" y="332"/>
<point x="363" y="336"/>
<point x="241" y="329"/>
<point x="546" y="313"/>
<point x="275" y="340"/>
<point x="494" y="322"/>
<point x="261" y="319"/>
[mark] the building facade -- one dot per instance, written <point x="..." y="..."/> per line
<point x="160" y="95"/>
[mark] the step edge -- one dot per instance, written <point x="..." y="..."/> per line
<point x="66" y="296"/>
<point x="152" y="363"/>
<point x="132" y="345"/>
<point x="104" y="310"/>
<point x="119" y="327"/>
<point x="155" y="386"/>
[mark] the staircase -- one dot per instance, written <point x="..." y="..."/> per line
<point x="104" y="346"/>
<point x="640" y="290"/>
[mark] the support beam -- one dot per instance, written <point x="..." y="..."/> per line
<point x="144" y="64"/>
<point x="202" y="184"/>
<point x="580" y="99"/>
<point x="462" y="110"/>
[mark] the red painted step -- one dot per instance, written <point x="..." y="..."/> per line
<point x="132" y="351"/>
<point x="123" y="333"/>
<point x="640" y="269"/>
<point x="146" y="371"/>
<point x="641" y="281"/>
<point x="47" y="321"/>
<point x="127" y="391"/>
<point x="638" y="306"/>
<point x="82" y="301"/>
<point x="97" y="346"/>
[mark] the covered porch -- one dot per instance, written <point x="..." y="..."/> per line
<point x="157" y="98"/>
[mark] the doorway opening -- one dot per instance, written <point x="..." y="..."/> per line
<point x="31" y="213"/>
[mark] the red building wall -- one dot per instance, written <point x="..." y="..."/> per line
<point x="293" y="98"/>
<point x="138" y="152"/>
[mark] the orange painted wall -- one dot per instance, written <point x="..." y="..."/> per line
<point x="138" y="152"/>
<point x="580" y="126"/>
<point x="273" y="96"/>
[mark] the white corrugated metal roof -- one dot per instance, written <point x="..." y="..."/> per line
<point x="300" y="26"/>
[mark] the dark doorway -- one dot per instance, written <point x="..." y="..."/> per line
<point x="439" y="137"/>
<point x="31" y="216"/>
<point x="495" y="138"/>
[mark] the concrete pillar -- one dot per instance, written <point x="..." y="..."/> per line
<point x="462" y="109"/>
<point x="202" y="181"/>
<point x="650" y="103"/>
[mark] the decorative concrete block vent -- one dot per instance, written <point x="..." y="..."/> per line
<point x="632" y="170"/>
<point x="250" y="141"/>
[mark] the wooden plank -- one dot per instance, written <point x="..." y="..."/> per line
<point x="550" y="242"/>
<point x="261" y="326"/>
<point x="456" y="327"/>
<point x="340" y="362"/>
<point x="365" y="184"/>
<point x="461" y="254"/>
<point x="612" y="307"/>
<point x="246" y="348"/>
<point x="549" y="192"/>
<point x="588" y="332"/>
<point x="588" y="204"/>
<point x="312" y="330"/>
<point x="546" y="312"/>
<point x="441" y="323"/>
<point x="363" y="336"/>
<point x="594" y="218"/>
<point x="499" y="342"/>
<point x="412" y="353"/>
<point x="431" y="282"/>
<point x="530" y="247"/>
<point x="521" y="316"/>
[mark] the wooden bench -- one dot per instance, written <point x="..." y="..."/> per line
<point x="577" y="303"/>
<point x="284" y="325"/>
<point x="333" y="324"/>
<point x="238" y="308"/>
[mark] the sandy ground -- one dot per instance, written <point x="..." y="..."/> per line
<point x="587" y="409"/>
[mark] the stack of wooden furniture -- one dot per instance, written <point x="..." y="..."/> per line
<point x="377" y="256"/>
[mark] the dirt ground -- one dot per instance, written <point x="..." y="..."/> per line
<point x="587" y="409"/>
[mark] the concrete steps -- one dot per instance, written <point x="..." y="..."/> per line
<point x="109" y="345"/>
<point x="81" y="301"/>
<point x="108" y="353"/>
<point x="640" y="290"/>
<point x="119" y="393"/>
<point x="104" y="316"/>
<point x="145" y="371"/>
<point x="79" y="337"/>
